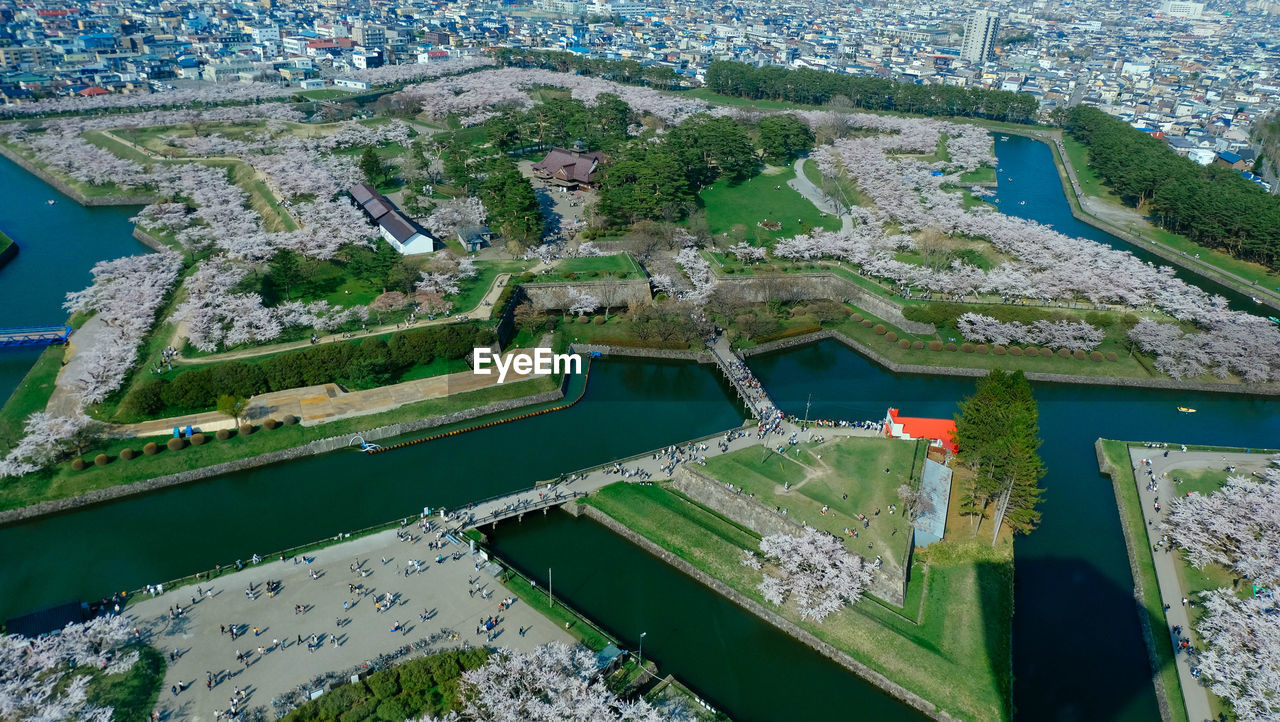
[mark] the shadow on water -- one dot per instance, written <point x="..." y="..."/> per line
<point x="740" y="664"/>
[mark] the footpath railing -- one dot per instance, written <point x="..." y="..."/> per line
<point x="726" y="368"/>
<point x="515" y="509"/>
<point x="644" y="454"/>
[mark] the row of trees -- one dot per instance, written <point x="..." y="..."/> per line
<point x="812" y="87"/>
<point x="998" y="432"/>
<point x="620" y="71"/>
<point x="372" y="362"/>
<point x="562" y="121"/>
<point x="1212" y="205"/>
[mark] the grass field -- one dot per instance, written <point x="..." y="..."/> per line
<point x="846" y="477"/>
<point x="30" y="396"/>
<point x="474" y="289"/>
<point x="324" y="93"/>
<point x="1117" y="455"/>
<point x="842" y="188"/>
<point x="62" y="481"/>
<point x="620" y="266"/>
<point x="957" y="656"/>
<point x="766" y="197"/>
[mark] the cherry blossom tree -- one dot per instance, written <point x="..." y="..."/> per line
<point x="40" y="678"/>
<point x="746" y="253"/>
<point x="47" y="438"/>
<point x="581" y="302"/>
<point x="554" y="682"/>
<point x="1062" y="334"/>
<point x="451" y="215"/>
<point x="814" y="570"/>
<point x="1241" y="655"/>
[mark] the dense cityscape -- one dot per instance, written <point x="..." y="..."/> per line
<point x="1199" y="75"/>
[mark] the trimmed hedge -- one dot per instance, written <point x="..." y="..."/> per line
<point x="1096" y="356"/>
<point x="101" y="460"/>
<point x="290" y="420"/>
<point x="917" y="345"/>
<point x="79" y="464"/>
<point x="1015" y="350"/>
<point x="246" y="429"/>
<point x="880" y="330"/>
<point x="1111" y="356"/>
<point x="223" y="434"/>
<point x="999" y="350"/>
<point x="1064" y="353"/>
<point x="1079" y="355"/>
<point x="866" y="323"/>
<point x="904" y="344"/>
<point x="198" y="439"/>
<point x="127" y="454"/>
<point x="150" y="448"/>
<point x="271" y="424"/>
<point x="599" y="321"/>
<point x="981" y="349"/>
<point x="857" y="318"/>
<point x="967" y="347"/>
<point x="891" y="337"/>
<point x="951" y="347"/>
<point x="935" y="345"/>
<point x="176" y="444"/>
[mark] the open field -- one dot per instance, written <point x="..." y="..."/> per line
<point x="766" y="197"/>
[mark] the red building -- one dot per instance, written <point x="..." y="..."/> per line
<point x="940" y="432"/>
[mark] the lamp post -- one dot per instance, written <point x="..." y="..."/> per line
<point x="642" y="634"/>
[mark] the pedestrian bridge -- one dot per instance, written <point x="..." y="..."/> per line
<point x="756" y="400"/>
<point x="33" y="336"/>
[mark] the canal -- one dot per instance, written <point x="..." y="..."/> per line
<point x="1078" y="653"/>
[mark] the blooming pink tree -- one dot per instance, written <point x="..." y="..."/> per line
<point x="554" y="682"/>
<point x="581" y="302"/>
<point x="46" y="678"/>
<point x="815" y="571"/>
<point x="47" y="438"/>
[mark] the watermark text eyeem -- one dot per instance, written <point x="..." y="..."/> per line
<point x="537" y="362"/>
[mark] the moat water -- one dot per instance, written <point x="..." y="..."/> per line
<point x="1077" y="648"/>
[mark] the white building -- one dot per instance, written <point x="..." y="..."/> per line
<point x="403" y="235"/>
<point x="1181" y="9"/>
<point x="980" y="36"/>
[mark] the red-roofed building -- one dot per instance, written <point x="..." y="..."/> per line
<point x="93" y="90"/>
<point x="940" y="432"/>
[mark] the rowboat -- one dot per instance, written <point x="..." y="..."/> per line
<point x="1186" y="410"/>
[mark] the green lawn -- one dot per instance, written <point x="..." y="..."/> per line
<point x="620" y="266"/>
<point x="5" y="241"/>
<point x="118" y="149"/>
<point x="559" y="615"/>
<point x="30" y="396"/>
<point x="766" y="197"/>
<point x="133" y="694"/>
<point x="984" y="174"/>
<point x="473" y="290"/>
<point x="62" y="481"/>
<point x="847" y="476"/>
<point x="844" y="188"/>
<point x="956" y="657"/>
<point x="1117" y="455"/>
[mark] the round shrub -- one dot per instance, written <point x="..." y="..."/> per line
<point x="176" y="444"/>
<point x="891" y="337"/>
<point x="999" y="350"/>
<point x="1096" y="356"/>
<point x="246" y="429"/>
<point x="1015" y="351"/>
<point x="981" y="349"/>
<point x="291" y="420"/>
<point x="101" y="460"/>
<point x="904" y="343"/>
<point x="1111" y="356"/>
<point x="550" y="323"/>
<point x="951" y="347"/>
<point x="866" y="323"/>
<point x="1079" y="355"/>
<point x="150" y="448"/>
<point x="583" y="320"/>
<point x="857" y="317"/>
<point x="880" y="330"/>
<point x="935" y="345"/>
<point x="271" y="424"/>
<point x="1064" y="353"/>
<point x="966" y="347"/>
<point x="127" y="454"/>
<point x="599" y="320"/>
<point x="917" y="345"/>
<point x="1046" y="352"/>
<point x="198" y="439"/>
<point x="78" y="464"/>
<point x="223" y="434"/>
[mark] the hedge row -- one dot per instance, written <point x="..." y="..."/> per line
<point x="371" y="362"/>
<point x="151" y="448"/>
<point x="788" y="333"/>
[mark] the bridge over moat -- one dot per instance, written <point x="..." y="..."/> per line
<point x="33" y="336"/>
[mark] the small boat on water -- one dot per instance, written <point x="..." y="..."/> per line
<point x="51" y="201"/>
<point x="1255" y="299"/>
<point x="1186" y="410"/>
<point x="1274" y="320"/>
<point x="1004" y="137"/>
<point x="1022" y="203"/>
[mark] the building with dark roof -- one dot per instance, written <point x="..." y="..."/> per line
<point x="568" y="168"/>
<point x="404" y="235"/>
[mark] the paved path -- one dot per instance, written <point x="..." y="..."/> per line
<point x="441" y="588"/>
<point x="732" y="366"/>
<point x="802" y="185"/>
<point x="65" y="399"/>
<point x="327" y="402"/>
<point x="1171" y="590"/>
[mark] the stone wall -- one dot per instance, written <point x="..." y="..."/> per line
<point x="319" y="446"/>
<point x="818" y="286"/>
<point x="148" y="240"/>
<point x="701" y="357"/>
<point x="553" y="296"/>
<point x="743" y="509"/>
<point x="767" y="614"/>
<point x="136" y="199"/>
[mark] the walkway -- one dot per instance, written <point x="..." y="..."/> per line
<point x="802" y="185"/>
<point x="326" y="402"/>
<point x="1171" y="590"/>
<point x="752" y="394"/>
<point x="439" y="590"/>
<point x="65" y="399"/>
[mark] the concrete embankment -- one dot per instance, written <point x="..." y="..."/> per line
<point x="132" y="199"/>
